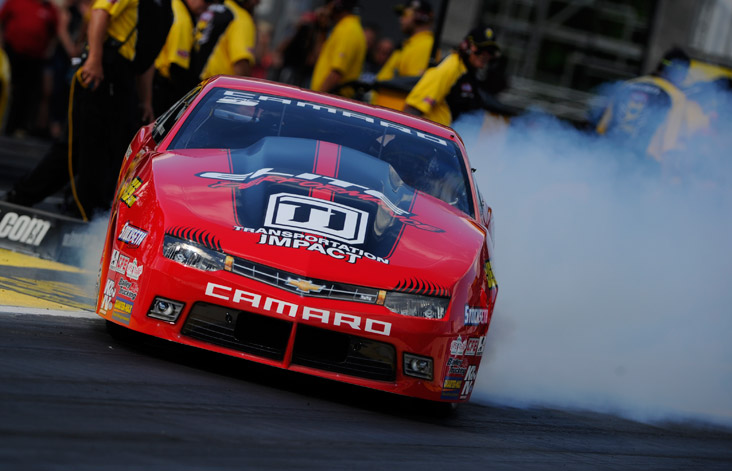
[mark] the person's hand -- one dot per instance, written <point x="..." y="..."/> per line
<point x="92" y="73"/>
<point x="147" y="113"/>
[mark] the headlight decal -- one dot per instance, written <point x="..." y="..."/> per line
<point x="417" y="286"/>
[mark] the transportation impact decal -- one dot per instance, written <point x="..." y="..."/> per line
<point x="311" y="243"/>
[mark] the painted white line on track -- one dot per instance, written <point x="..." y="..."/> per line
<point x="33" y="311"/>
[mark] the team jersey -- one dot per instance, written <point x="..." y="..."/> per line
<point x="411" y="59"/>
<point x="122" y="23"/>
<point x="177" y="47"/>
<point x="225" y="34"/>
<point x="651" y="114"/>
<point x="343" y="51"/>
<point x="430" y="93"/>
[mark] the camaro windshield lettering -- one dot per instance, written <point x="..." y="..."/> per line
<point x="242" y="98"/>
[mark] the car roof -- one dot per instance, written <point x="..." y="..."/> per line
<point x="290" y="91"/>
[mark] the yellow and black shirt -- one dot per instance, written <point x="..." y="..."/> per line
<point x="122" y="23"/>
<point x="225" y="34"/>
<point x="430" y="93"/>
<point x="178" y="45"/>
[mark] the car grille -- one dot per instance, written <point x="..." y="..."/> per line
<point x="314" y="347"/>
<point x="294" y="283"/>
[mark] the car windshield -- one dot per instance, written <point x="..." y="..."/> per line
<point x="237" y="119"/>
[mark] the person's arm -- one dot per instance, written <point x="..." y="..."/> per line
<point x="144" y="90"/>
<point x="92" y="72"/>
<point x="412" y="110"/>
<point x="242" y="67"/>
<point x="331" y="82"/>
<point x="63" y="33"/>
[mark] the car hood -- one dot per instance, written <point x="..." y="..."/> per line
<point x="316" y="209"/>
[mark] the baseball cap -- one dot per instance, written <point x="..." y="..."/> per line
<point x="484" y="38"/>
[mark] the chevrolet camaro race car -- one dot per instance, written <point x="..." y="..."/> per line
<point x="307" y="232"/>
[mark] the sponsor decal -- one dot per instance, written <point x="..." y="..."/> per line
<point x="242" y="98"/>
<point x="134" y="270"/>
<point x="278" y="306"/>
<point x="127" y="289"/>
<point x="451" y="387"/>
<point x="295" y="240"/>
<point x="127" y="194"/>
<point x="469" y="381"/>
<point x="119" y="262"/>
<point x="122" y="310"/>
<point x="490" y="279"/>
<point x="457" y="346"/>
<point x="457" y="371"/>
<point x="451" y="361"/>
<point x="109" y="293"/>
<point x="475" y="315"/>
<point x="316" y="182"/>
<point x="131" y="235"/>
<point x="472" y="347"/>
<point x="316" y="216"/>
<point x="23" y="228"/>
<point x="481" y="346"/>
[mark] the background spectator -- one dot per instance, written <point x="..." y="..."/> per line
<point x="29" y="32"/>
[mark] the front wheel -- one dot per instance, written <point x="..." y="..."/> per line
<point x="123" y="334"/>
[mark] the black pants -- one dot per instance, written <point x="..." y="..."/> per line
<point x="26" y="79"/>
<point x="105" y="120"/>
<point x="103" y="123"/>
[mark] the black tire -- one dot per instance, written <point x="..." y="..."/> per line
<point x="123" y="334"/>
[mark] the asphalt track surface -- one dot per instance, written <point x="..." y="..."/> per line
<point x="73" y="397"/>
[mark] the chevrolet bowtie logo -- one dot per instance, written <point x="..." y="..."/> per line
<point x="304" y="286"/>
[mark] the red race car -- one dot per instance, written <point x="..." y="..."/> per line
<point x="307" y="232"/>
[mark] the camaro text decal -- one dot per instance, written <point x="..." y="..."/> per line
<point x="242" y="98"/>
<point x="273" y="305"/>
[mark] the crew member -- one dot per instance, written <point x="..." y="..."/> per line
<point x="455" y="79"/>
<point x="225" y="37"/>
<point x="104" y="107"/>
<point x="172" y="66"/>
<point x="413" y="57"/>
<point x="651" y="114"/>
<point x="410" y="60"/>
<point x="344" y="52"/>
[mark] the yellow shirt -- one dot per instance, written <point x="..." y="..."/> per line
<point x="177" y="47"/>
<point x="428" y="96"/>
<point x="235" y="44"/>
<point x="122" y="23"/>
<point x="683" y="119"/>
<point x="344" y="51"/>
<point x="411" y="60"/>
